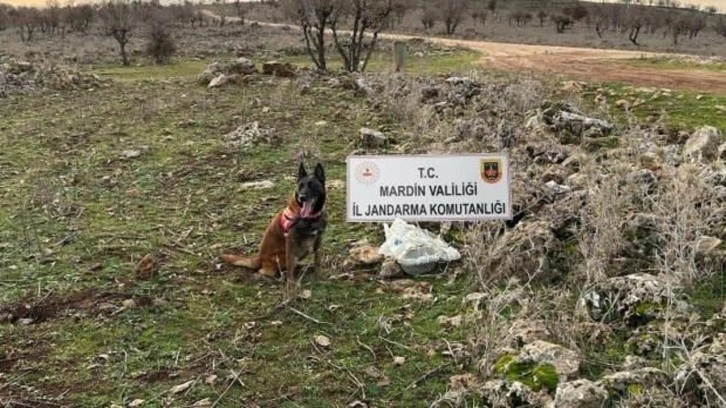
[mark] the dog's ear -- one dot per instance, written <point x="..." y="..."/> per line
<point x="301" y="172"/>
<point x="320" y="173"/>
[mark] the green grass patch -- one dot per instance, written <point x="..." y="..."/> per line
<point x="709" y="295"/>
<point x="99" y="179"/>
<point x="535" y="376"/>
<point x="679" y="109"/>
<point x="148" y="71"/>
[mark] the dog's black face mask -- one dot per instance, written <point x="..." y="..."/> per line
<point x="310" y="193"/>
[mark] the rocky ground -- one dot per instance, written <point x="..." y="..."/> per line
<point x="626" y="218"/>
<point x="606" y="289"/>
<point x="25" y="77"/>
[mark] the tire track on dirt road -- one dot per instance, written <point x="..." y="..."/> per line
<point x="572" y="63"/>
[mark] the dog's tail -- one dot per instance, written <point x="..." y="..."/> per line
<point x="250" y="262"/>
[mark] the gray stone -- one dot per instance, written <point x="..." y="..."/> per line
<point x="579" y="394"/>
<point x="371" y="138"/>
<point x="242" y="66"/>
<point x="218" y="81"/>
<point x="645" y="377"/>
<point x="635" y="298"/>
<point x="248" y="135"/>
<point x="703" y="144"/>
<point x="565" y="361"/>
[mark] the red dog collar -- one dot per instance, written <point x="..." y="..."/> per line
<point x="290" y="217"/>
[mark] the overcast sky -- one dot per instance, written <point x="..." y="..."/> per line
<point x="720" y="4"/>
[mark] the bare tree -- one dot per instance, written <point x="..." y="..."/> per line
<point x="720" y="26"/>
<point x="453" y="12"/>
<point x="480" y="12"/>
<point x="240" y="9"/>
<point x="367" y="16"/>
<point x="314" y="16"/>
<point x="5" y="12"/>
<point x="79" y="18"/>
<point x="542" y="16"/>
<point x="399" y="11"/>
<point x="520" y="17"/>
<point x="492" y="7"/>
<point x="160" y="43"/>
<point x="635" y="25"/>
<point x="119" y="21"/>
<point x="27" y="20"/>
<point x="634" y="20"/>
<point x="576" y="12"/>
<point x="678" y="27"/>
<point x="50" y="17"/>
<point x="562" y="22"/>
<point x="428" y="17"/>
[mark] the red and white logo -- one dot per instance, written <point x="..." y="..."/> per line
<point x="367" y="173"/>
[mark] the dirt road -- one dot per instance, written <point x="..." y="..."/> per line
<point x="587" y="64"/>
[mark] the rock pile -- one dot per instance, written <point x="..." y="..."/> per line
<point x="219" y="73"/>
<point x="580" y="175"/>
<point x="248" y="135"/>
<point x="24" y="77"/>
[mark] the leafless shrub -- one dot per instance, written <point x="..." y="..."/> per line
<point x="402" y="98"/>
<point x="399" y="12"/>
<point x="562" y="22"/>
<point x="26" y="20"/>
<point x="720" y="26"/>
<point x="492" y="307"/>
<point x="314" y="16"/>
<point x="186" y="14"/>
<point x="687" y="211"/>
<point x="240" y="10"/>
<point x="600" y="238"/>
<point x="364" y="17"/>
<point x="5" y="12"/>
<point x="453" y="13"/>
<point x="480" y="13"/>
<point x="576" y="12"/>
<point x="428" y="18"/>
<point x="119" y="22"/>
<point x="80" y="17"/>
<point x="160" y="43"/>
<point x="520" y="17"/>
<point x="542" y="16"/>
<point x="367" y="16"/>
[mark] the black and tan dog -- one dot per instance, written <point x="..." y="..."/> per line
<point x="293" y="232"/>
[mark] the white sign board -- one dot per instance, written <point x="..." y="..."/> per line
<point x="457" y="187"/>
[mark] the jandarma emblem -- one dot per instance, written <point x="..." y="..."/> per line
<point x="491" y="170"/>
<point x="367" y="173"/>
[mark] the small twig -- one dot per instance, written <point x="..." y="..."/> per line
<point x="177" y="247"/>
<point x="448" y="346"/>
<point x="360" y="343"/>
<point x="226" y="390"/>
<point x="65" y="240"/>
<point x="312" y="319"/>
<point x="360" y="386"/>
<point x="184" y="235"/>
<point x="282" y="396"/>
<point x="395" y="343"/>
<point x="273" y="310"/>
<point x="423" y="377"/>
<point x="13" y="403"/>
<point x="12" y="380"/>
<point x="59" y="397"/>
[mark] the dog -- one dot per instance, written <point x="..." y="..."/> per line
<point x="293" y="233"/>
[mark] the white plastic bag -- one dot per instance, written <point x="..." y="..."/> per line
<point x="415" y="249"/>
